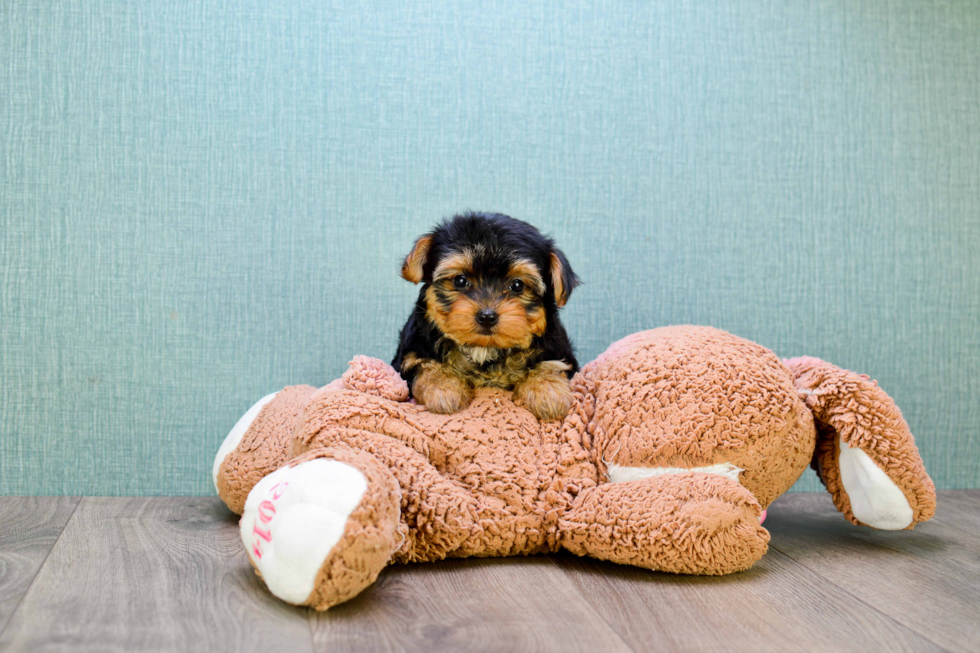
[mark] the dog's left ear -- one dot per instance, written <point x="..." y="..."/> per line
<point x="415" y="261"/>
<point x="563" y="279"/>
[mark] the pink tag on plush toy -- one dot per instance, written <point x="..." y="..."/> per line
<point x="762" y="517"/>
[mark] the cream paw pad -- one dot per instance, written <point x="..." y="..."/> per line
<point x="321" y="529"/>
<point x="294" y="517"/>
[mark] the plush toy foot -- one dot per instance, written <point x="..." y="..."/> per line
<point x="866" y="455"/>
<point x="258" y="444"/>
<point x="689" y="523"/>
<point x="320" y="531"/>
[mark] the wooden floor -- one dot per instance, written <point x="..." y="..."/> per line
<point x="134" y="574"/>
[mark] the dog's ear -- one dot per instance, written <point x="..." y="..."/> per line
<point x="415" y="261"/>
<point x="563" y="279"/>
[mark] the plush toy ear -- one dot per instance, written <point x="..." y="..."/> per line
<point x="563" y="279"/>
<point x="865" y="454"/>
<point x="415" y="261"/>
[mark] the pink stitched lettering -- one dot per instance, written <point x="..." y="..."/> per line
<point x="266" y="511"/>
<point x="265" y="535"/>
<point x="281" y="485"/>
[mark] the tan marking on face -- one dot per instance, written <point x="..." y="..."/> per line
<point x="410" y="361"/>
<point x="459" y="322"/>
<point x="415" y="261"/>
<point x="452" y="265"/>
<point x="461" y="325"/>
<point x="434" y="310"/>
<point x="512" y="329"/>
<point x="527" y="272"/>
<point x="536" y="320"/>
<point x="557" y="270"/>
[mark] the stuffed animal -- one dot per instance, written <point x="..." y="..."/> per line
<point x="677" y="440"/>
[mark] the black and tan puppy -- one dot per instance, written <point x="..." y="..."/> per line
<point x="487" y="316"/>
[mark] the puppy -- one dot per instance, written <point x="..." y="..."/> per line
<point x="487" y="316"/>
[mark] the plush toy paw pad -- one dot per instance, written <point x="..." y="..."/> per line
<point x="294" y="517"/>
<point x="875" y="499"/>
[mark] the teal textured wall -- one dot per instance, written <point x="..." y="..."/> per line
<point x="204" y="201"/>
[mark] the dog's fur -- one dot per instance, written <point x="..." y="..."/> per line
<point x="487" y="263"/>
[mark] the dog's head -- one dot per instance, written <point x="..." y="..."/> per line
<point x="490" y="280"/>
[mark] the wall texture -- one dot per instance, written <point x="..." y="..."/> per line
<point x="203" y="201"/>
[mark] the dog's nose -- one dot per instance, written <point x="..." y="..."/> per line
<point x="487" y="317"/>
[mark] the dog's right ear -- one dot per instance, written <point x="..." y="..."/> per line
<point x="563" y="279"/>
<point x="415" y="261"/>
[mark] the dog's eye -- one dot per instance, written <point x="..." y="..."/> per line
<point x="517" y="286"/>
<point x="460" y="282"/>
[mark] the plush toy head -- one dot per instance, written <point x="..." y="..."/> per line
<point x="677" y="440"/>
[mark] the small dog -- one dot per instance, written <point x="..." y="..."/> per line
<point x="487" y="316"/>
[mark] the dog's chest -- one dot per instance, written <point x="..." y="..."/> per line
<point x="489" y="367"/>
<point x="480" y="356"/>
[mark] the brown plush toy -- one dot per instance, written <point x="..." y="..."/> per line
<point x="677" y="440"/>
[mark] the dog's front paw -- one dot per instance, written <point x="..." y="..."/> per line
<point x="546" y="391"/>
<point x="441" y="391"/>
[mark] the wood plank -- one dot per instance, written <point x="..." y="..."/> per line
<point x="927" y="579"/>
<point x="508" y="605"/>
<point x="777" y="605"/>
<point x="960" y="508"/>
<point x="131" y="574"/>
<point x="29" y="527"/>
<point x="164" y="573"/>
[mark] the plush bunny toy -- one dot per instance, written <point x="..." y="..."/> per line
<point x="677" y="440"/>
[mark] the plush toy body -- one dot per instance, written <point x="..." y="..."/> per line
<point x="678" y="438"/>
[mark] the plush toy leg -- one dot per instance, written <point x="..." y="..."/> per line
<point x="439" y="515"/>
<point x="322" y="528"/>
<point x="690" y="522"/>
<point x="258" y="444"/>
<point x="865" y="456"/>
<point x="261" y="440"/>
